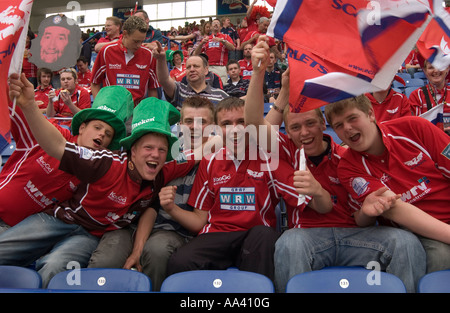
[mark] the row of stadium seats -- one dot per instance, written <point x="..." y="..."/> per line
<point x="328" y="280"/>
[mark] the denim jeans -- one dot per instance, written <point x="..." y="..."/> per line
<point x="48" y="241"/>
<point x="398" y="252"/>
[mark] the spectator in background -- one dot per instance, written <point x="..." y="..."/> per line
<point x="196" y="70"/>
<point x="230" y="31"/>
<point x="389" y="104"/>
<point x="216" y="47"/>
<point x="178" y="67"/>
<point x="412" y="64"/>
<point x="246" y="62"/>
<point x="211" y="78"/>
<point x="113" y="26"/>
<point x="68" y="100"/>
<point x="84" y="74"/>
<point x="29" y="68"/>
<point x="136" y="71"/>
<point x="152" y="33"/>
<point x="236" y="86"/>
<point x="86" y="48"/>
<point x="272" y="77"/>
<point x="252" y="36"/>
<point x="44" y="77"/>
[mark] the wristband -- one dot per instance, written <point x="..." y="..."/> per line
<point x="277" y="108"/>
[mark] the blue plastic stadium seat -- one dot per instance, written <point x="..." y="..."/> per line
<point x="408" y="90"/>
<point x="101" y="279"/>
<point x="19" y="277"/>
<point x="436" y="282"/>
<point x="217" y="281"/>
<point x="345" y="280"/>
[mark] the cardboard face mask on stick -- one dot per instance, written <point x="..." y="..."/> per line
<point x="58" y="43"/>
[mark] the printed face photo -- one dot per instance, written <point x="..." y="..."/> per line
<point x="53" y="43"/>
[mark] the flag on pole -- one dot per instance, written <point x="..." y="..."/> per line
<point x="14" y="19"/>
<point x="338" y="49"/>
<point x="433" y="44"/>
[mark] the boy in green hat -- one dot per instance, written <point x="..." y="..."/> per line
<point x="31" y="181"/>
<point x="114" y="189"/>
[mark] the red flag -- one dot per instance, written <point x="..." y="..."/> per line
<point x="15" y="16"/>
<point x="433" y="45"/>
<point x="335" y="37"/>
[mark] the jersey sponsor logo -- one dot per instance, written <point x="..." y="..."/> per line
<point x="45" y="166"/>
<point x="214" y="44"/>
<point x="255" y="174"/>
<point x="393" y="111"/>
<point x="115" y="66"/>
<point x="237" y="198"/>
<point x="417" y="191"/>
<point x="37" y="195"/>
<point x="359" y="185"/>
<point x="128" y="81"/>
<point x="334" y="180"/>
<point x="141" y="67"/>
<point x="112" y="217"/>
<point x="221" y="180"/>
<point x="415" y="161"/>
<point x="446" y="152"/>
<point x="116" y="198"/>
<point x="247" y="73"/>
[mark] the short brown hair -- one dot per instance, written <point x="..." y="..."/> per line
<point x="44" y="70"/>
<point x="360" y="102"/>
<point x="198" y="102"/>
<point x="228" y="104"/>
<point x="135" y="23"/>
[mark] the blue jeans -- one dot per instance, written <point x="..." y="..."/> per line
<point x="48" y="241"/>
<point x="398" y="252"/>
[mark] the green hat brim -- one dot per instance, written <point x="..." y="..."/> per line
<point x="127" y="142"/>
<point x="105" y="116"/>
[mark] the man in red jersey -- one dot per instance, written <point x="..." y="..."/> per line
<point x="44" y="76"/>
<point x="127" y="63"/>
<point x="30" y="181"/>
<point x="113" y="25"/>
<point x="246" y="62"/>
<point x="397" y="251"/>
<point x="234" y="196"/>
<point x="216" y="47"/>
<point x="389" y="104"/>
<point x="68" y="100"/>
<point x="114" y="190"/>
<point x="408" y="158"/>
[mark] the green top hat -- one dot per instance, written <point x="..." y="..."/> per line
<point x="153" y="115"/>
<point x="170" y="54"/>
<point x="112" y="105"/>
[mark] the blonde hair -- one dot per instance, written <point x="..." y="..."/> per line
<point x="360" y="102"/>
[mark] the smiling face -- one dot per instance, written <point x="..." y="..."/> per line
<point x="149" y="154"/>
<point x="358" y="130"/>
<point x="53" y="43"/>
<point x="306" y="129"/>
<point x="197" y="119"/>
<point x="95" y="134"/>
<point x="232" y="124"/>
<point x="434" y="76"/>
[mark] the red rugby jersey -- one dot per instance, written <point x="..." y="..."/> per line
<point x="326" y="174"/>
<point x="216" y="51"/>
<point x="394" y="105"/>
<point x="111" y="195"/>
<point x="246" y="68"/>
<point x="80" y="98"/>
<point x="30" y="181"/>
<point x="138" y="75"/>
<point x="415" y="164"/>
<point x="239" y="195"/>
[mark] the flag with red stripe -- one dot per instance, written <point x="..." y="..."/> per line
<point x="14" y="19"/>
<point x="341" y="48"/>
